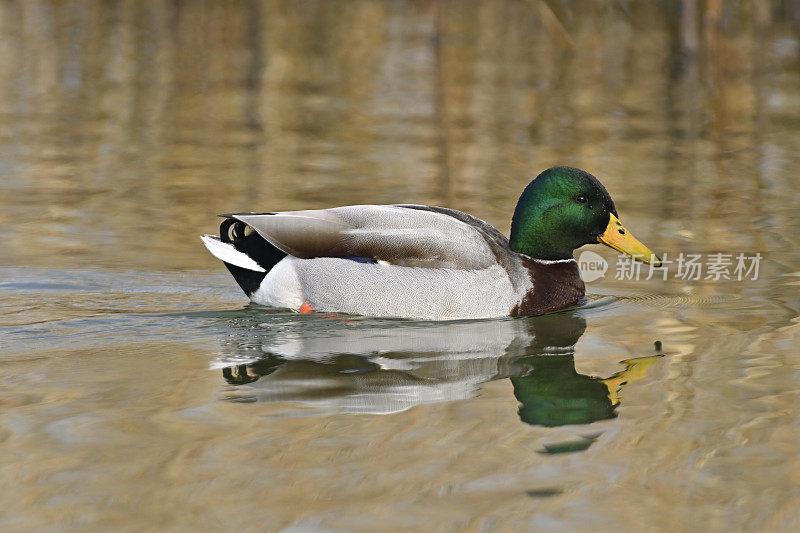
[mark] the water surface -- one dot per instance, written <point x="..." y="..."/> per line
<point x="140" y="389"/>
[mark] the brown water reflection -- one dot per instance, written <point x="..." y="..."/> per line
<point x="125" y="127"/>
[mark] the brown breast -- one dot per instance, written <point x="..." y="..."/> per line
<point x="555" y="286"/>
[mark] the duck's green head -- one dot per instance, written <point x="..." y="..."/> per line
<point x="564" y="208"/>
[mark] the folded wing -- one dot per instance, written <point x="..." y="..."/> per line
<point x="418" y="236"/>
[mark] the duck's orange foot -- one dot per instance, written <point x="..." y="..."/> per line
<point x="306" y="309"/>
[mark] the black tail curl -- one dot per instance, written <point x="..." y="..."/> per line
<point x="246" y="240"/>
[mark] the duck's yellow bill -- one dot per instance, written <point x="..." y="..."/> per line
<point x="620" y="239"/>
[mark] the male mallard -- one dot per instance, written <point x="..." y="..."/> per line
<point x="419" y="261"/>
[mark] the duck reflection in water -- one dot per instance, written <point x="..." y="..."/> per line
<point x="391" y="366"/>
<point x="551" y="392"/>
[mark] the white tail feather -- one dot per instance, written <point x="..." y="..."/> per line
<point x="226" y="252"/>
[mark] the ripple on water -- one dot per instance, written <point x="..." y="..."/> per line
<point x="663" y="301"/>
<point x="47" y="308"/>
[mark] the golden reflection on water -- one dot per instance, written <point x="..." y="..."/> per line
<point x="125" y="127"/>
<point x="158" y="113"/>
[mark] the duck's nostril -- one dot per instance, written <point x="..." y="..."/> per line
<point x="621" y="231"/>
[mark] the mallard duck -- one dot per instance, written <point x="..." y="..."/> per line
<point x="425" y="262"/>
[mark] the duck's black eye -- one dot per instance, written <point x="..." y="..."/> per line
<point x="581" y="199"/>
